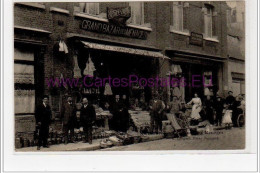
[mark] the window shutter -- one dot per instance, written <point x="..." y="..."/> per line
<point x="175" y="16"/>
<point x="146" y="15"/>
<point x="214" y="23"/>
<point x="203" y="18"/>
<point x="171" y="16"/>
<point x="137" y="9"/>
<point x="185" y="15"/>
<point x="142" y="13"/>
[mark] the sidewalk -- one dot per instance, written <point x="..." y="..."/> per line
<point x="78" y="146"/>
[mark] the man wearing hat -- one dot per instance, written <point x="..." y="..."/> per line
<point x="230" y="98"/>
<point x="116" y="110"/>
<point x="87" y="118"/>
<point x="68" y="115"/>
<point x="156" y="113"/>
<point x="43" y="119"/>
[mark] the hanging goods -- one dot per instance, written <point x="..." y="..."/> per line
<point x="206" y="92"/>
<point x="76" y="69"/>
<point x="90" y="67"/>
<point x="63" y="47"/>
<point x="108" y="90"/>
<point x="176" y="92"/>
<point x="182" y="88"/>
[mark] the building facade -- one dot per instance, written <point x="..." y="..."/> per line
<point x="236" y="47"/>
<point x="197" y="45"/>
<point x="67" y="40"/>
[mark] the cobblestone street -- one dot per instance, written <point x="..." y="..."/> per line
<point x="219" y="140"/>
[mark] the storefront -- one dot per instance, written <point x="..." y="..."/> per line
<point x="29" y="49"/>
<point x="115" y="61"/>
<point x="202" y="74"/>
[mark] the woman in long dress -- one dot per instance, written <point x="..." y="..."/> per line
<point x="196" y="108"/>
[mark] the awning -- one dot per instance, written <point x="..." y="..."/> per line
<point x="124" y="50"/>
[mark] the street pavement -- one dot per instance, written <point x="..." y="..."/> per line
<point x="218" y="140"/>
<point x="78" y="146"/>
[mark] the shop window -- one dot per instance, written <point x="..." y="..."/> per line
<point x="238" y="83"/>
<point x="210" y="20"/>
<point x="137" y="13"/>
<point x="91" y="8"/>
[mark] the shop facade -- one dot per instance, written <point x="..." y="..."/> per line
<point x="197" y="46"/>
<point x="73" y="37"/>
<point x="149" y="39"/>
<point x="29" y="51"/>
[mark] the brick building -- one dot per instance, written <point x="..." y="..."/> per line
<point x="236" y="47"/>
<point x="196" y="44"/>
<point x="158" y="38"/>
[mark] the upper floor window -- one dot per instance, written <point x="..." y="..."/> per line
<point x="89" y="7"/>
<point x="208" y="18"/>
<point x="178" y="16"/>
<point x="233" y="15"/>
<point x="137" y="13"/>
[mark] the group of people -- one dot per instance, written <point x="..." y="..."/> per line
<point x="211" y="110"/>
<point x="69" y="110"/>
<point x="216" y="110"/>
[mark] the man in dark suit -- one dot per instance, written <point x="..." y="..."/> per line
<point x="230" y="99"/>
<point x="43" y="118"/>
<point x="125" y="117"/>
<point x="88" y="117"/>
<point x="156" y="114"/>
<point x="68" y="115"/>
<point x="116" y="110"/>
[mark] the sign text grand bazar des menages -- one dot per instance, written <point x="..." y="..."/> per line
<point x="108" y="28"/>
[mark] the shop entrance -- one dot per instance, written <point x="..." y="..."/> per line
<point x="119" y="65"/>
<point x="197" y="78"/>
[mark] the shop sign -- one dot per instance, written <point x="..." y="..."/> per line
<point x="118" y="16"/>
<point x="196" y="39"/>
<point x="111" y="29"/>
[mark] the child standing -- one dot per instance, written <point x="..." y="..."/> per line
<point x="219" y="111"/>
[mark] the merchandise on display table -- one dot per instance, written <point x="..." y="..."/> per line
<point x="101" y="114"/>
<point x="106" y="143"/>
<point x="135" y="135"/>
<point x="141" y="119"/>
<point x="125" y="138"/>
<point x="166" y="127"/>
<point x="116" y="141"/>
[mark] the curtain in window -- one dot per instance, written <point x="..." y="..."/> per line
<point x="23" y="55"/>
<point x="24" y="95"/>
<point x="23" y="73"/>
<point x="178" y="16"/>
<point x="24" y="101"/>
<point x="137" y="13"/>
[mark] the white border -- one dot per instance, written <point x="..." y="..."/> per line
<point x="131" y="161"/>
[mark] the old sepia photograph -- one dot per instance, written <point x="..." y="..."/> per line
<point x="129" y="76"/>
